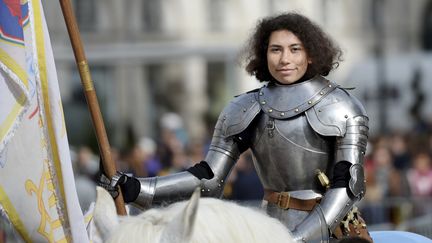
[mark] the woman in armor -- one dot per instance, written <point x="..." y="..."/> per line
<point x="307" y="135"/>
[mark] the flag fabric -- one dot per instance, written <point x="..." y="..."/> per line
<point x="37" y="188"/>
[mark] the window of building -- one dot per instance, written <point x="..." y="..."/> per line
<point x="427" y="27"/>
<point x="216" y="14"/>
<point x="85" y="11"/>
<point x="216" y="89"/>
<point x="151" y="17"/>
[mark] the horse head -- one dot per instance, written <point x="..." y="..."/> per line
<point x="178" y="228"/>
<point x="217" y="221"/>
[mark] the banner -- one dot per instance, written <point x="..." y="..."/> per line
<point x="37" y="187"/>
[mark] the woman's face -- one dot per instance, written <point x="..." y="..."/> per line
<point x="287" y="59"/>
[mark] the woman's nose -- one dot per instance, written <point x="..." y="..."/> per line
<point x="285" y="57"/>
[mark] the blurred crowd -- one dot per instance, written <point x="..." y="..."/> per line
<point x="171" y="152"/>
<point x="398" y="169"/>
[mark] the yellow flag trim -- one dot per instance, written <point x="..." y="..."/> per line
<point x="19" y="105"/>
<point x="40" y="46"/>
<point x="10" y="119"/>
<point x="14" y="67"/>
<point x="13" y="216"/>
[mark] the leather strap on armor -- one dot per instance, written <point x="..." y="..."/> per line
<point x="285" y="201"/>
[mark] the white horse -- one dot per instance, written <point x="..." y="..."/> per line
<point x="197" y="220"/>
<point x="202" y="220"/>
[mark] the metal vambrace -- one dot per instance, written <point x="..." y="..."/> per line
<point x="324" y="218"/>
<point x="337" y="202"/>
<point x="180" y="186"/>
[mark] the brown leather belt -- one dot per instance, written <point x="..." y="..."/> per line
<point x="285" y="201"/>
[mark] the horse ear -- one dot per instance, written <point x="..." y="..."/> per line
<point x="180" y="229"/>
<point x="105" y="214"/>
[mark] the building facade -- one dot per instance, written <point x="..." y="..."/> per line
<point x="151" y="57"/>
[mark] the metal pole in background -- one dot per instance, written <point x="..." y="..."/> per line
<point x="90" y="94"/>
<point x="378" y="23"/>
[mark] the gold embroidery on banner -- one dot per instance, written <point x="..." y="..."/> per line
<point x="47" y="223"/>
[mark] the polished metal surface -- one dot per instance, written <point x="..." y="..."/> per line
<point x="288" y="152"/>
<point x="330" y="116"/>
<point x="238" y="114"/>
<point x="313" y="228"/>
<point x="285" y="101"/>
<point x="302" y="128"/>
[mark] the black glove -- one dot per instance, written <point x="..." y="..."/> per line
<point x="129" y="185"/>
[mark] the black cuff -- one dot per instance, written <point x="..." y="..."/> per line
<point x="341" y="175"/>
<point x="201" y="170"/>
<point x="130" y="189"/>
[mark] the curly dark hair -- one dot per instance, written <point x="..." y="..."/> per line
<point x="320" y="48"/>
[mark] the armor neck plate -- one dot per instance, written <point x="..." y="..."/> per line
<point x="285" y="101"/>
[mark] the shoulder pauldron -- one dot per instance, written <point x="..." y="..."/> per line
<point x="238" y="114"/>
<point x="331" y="116"/>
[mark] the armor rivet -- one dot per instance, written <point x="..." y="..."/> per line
<point x="261" y="93"/>
<point x="208" y="190"/>
<point x="282" y="114"/>
<point x="303" y="239"/>
<point x="244" y="110"/>
<point x="221" y="180"/>
<point x="270" y="110"/>
<point x="263" y="102"/>
<point x="329" y="85"/>
<point x="224" y="117"/>
<point x="364" y="181"/>
<point x="219" y="185"/>
<point x="296" y="110"/>
<point x="319" y="110"/>
<point x="346" y="116"/>
<point x="321" y="93"/>
<point x="347" y="204"/>
<point x="310" y="102"/>
<point x="362" y="192"/>
<point x="202" y="190"/>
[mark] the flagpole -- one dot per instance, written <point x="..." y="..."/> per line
<point x="91" y="97"/>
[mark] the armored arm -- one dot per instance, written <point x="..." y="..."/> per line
<point x="341" y="116"/>
<point x="175" y="187"/>
<point x="211" y="173"/>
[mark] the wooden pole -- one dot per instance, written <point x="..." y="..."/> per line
<point x="91" y="97"/>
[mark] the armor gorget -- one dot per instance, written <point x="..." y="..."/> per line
<point x="285" y="101"/>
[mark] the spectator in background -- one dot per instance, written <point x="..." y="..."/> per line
<point x="134" y="161"/>
<point x="87" y="162"/>
<point x="246" y="185"/>
<point x="420" y="181"/>
<point x="420" y="176"/>
<point x="377" y="168"/>
<point x="399" y="149"/>
<point x="86" y="168"/>
<point x="150" y="160"/>
<point x="171" y="147"/>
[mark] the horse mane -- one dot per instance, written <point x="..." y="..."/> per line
<point x="215" y="220"/>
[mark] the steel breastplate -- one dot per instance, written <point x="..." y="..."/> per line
<point x="287" y="151"/>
